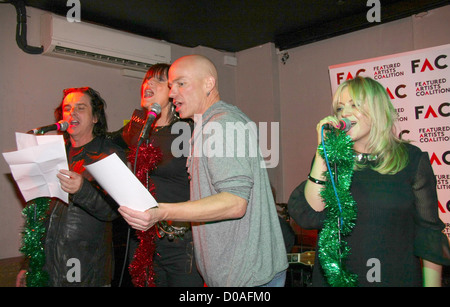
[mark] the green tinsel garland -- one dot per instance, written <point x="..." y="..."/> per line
<point x="32" y="241"/>
<point x="340" y="219"/>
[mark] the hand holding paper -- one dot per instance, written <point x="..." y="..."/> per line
<point x="141" y="220"/>
<point x="71" y="182"/>
<point x="123" y="186"/>
<point x="36" y="167"/>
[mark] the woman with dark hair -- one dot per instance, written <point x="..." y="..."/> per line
<point x="81" y="231"/>
<point x="393" y="231"/>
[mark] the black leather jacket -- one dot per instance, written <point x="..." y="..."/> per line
<point x="78" y="243"/>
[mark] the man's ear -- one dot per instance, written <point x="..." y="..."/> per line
<point x="210" y="83"/>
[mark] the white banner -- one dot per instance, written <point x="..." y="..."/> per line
<point x="418" y="83"/>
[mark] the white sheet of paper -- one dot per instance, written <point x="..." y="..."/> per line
<point x="35" y="164"/>
<point x="25" y="140"/>
<point x="123" y="186"/>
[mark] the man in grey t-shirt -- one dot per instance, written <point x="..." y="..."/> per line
<point x="237" y="235"/>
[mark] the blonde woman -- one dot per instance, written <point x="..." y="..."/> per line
<point x="397" y="233"/>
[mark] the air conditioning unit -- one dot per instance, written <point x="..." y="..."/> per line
<point x="100" y="45"/>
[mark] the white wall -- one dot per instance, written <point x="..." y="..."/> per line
<point x="258" y="95"/>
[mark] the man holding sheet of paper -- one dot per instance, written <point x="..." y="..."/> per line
<point x="235" y="227"/>
<point x="80" y="231"/>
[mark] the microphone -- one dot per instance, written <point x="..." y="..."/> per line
<point x="151" y="116"/>
<point x="344" y="125"/>
<point x="60" y="126"/>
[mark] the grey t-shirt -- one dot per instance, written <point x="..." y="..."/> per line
<point x="225" y="157"/>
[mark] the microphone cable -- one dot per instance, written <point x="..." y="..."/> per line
<point x="127" y="246"/>
<point x="332" y="179"/>
<point x="340" y="220"/>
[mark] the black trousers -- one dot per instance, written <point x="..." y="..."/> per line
<point x="174" y="263"/>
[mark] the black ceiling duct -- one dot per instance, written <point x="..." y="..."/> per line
<point x="21" y="30"/>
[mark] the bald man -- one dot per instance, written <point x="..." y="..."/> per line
<point x="237" y="235"/>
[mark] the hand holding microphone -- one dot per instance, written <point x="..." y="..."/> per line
<point x="344" y="125"/>
<point x="329" y="122"/>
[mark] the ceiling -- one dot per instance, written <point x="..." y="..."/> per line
<point x="235" y="25"/>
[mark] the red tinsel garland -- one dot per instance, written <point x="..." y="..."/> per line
<point x="141" y="268"/>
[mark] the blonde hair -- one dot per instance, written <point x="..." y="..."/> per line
<point x="372" y="100"/>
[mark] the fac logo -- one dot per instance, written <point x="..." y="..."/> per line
<point x="442" y="209"/>
<point x="438" y="63"/>
<point x="442" y="110"/>
<point x="398" y="92"/>
<point x="434" y="159"/>
<point x="341" y="75"/>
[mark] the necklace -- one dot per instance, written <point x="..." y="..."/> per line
<point x="157" y="128"/>
<point x="364" y="157"/>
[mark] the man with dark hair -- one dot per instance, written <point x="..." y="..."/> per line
<point x="78" y="243"/>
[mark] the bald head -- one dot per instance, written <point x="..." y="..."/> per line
<point x="193" y="83"/>
<point x="199" y="64"/>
